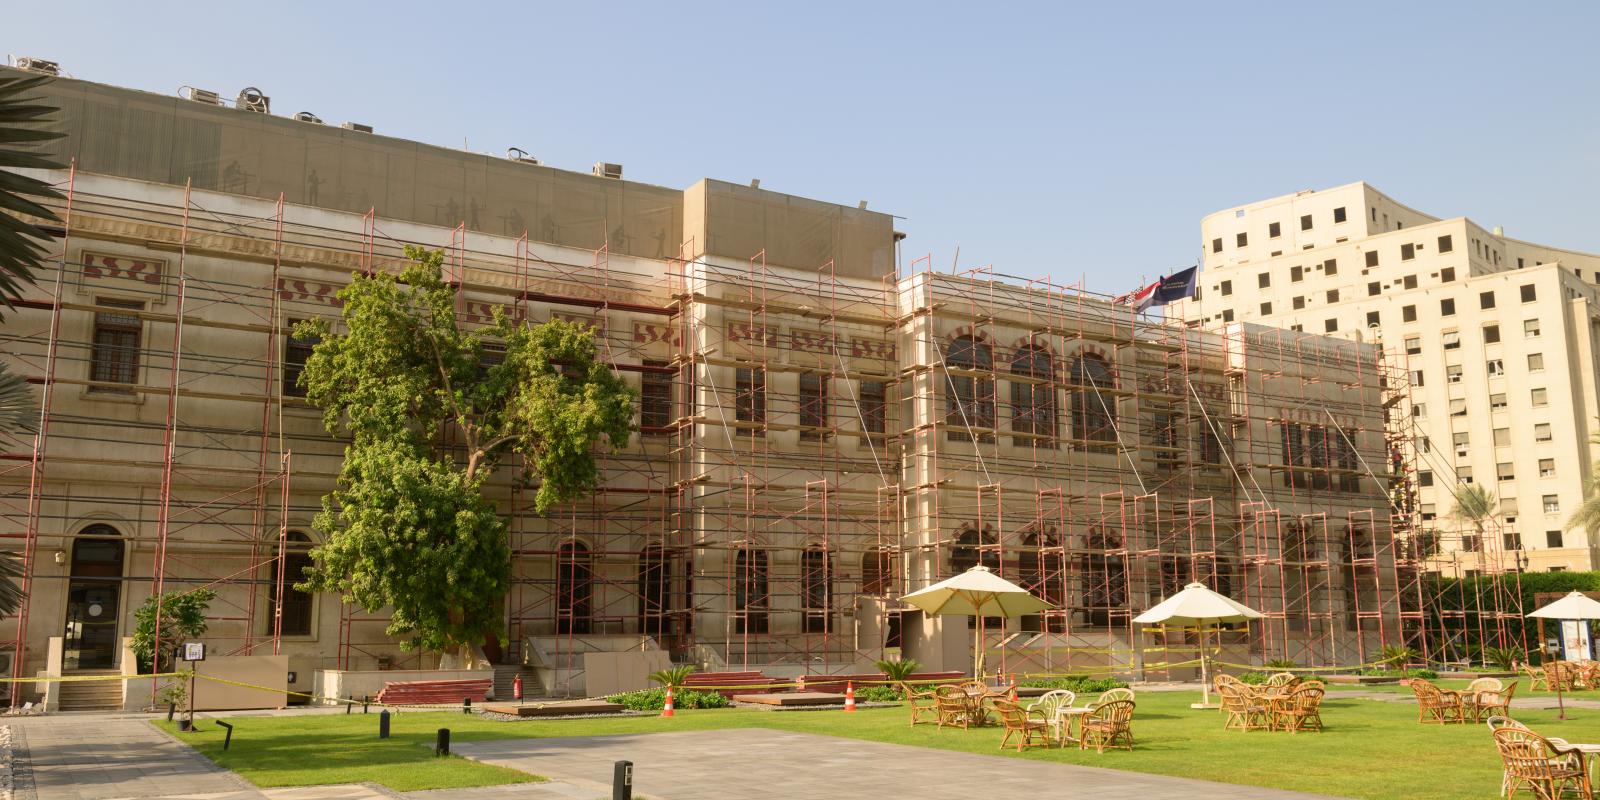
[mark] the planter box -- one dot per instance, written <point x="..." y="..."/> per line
<point x="333" y="685"/>
<point x="1362" y="679"/>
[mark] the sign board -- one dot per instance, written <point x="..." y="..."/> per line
<point x="194" y="651"/>
<point x="1575" y="640"/>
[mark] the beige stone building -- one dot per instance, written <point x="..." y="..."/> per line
<point x="820" y="430"/>
<point x="1500" y="338"/>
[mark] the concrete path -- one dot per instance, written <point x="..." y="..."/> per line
<point x="95" y="757"/>
<point x="744" y="763"/>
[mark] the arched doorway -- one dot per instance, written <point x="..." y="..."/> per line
<point x="574" y="588"/>
<point x="297" y="605"/>
<point x="94" y="595"/>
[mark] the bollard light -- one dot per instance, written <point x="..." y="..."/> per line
<point x="227" y="739"/>
<point x="441" y="742"/>
<point x="365" y="699"/>
<point x="466" y="705"/>
<point x="383" y="724"/>
<point x="622" y="781"/>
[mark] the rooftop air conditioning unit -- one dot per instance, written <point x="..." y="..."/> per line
<point x="357" y="127"/>
<point x="251" y="99"/>
<point x="38" y="65"/>
<point x="521" y="156"/>
<point x="307" y="116"/>
<point x="605" y="170"/>
<point x="206" y="96"/>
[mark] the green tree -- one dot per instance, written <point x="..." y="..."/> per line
<point x="22" y="130"/>
<point x="1587" y="514"/>
<point x="430" y="417"/>
<point x="1474" y="506"/>
<point x="183" y="617"/>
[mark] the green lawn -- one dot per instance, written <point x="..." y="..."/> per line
<point x="1370" y="750"/>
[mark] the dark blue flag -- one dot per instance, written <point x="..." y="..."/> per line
<point x="1177" y="286"/>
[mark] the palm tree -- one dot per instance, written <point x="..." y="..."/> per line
<point x="1475" y="505"/>
<point x="21" y="131"/>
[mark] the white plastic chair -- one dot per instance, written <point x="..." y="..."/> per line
<point x="1050" y="704"/>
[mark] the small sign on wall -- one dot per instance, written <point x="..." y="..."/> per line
<point x="194" y="651"/>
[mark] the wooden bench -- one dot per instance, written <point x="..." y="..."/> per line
<point x="736" y="680"/>
<point x="428" y="693"/>
<point x="836" y="683"/>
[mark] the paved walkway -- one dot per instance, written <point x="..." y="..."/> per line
<point x="803" y="766"/>
<point x="75" y="757"/>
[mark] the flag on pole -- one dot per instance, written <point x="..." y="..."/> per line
<point x="1177" y="286"/>
<point x="1140" y="299"/>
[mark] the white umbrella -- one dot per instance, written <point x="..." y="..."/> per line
<point x="1198" y="606"/>
<point x="1576" y="605"/>
<point x="980" y="593"/>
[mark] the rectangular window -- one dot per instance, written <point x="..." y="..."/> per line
<point x="1372" y="319"/>
<point x="1227" y="315"/>
<point x="1338" y="214"/>
<point x="1491" y="334"/>
<point x="1535" y="362"/>
<point x="1408" y="313"/>
<point x="1241" y="239"/>
<point x="1552" y="538"/>
<point x="750" y="399"/>
<point x="1540" y="397"/>
<point x="1497" y="401"/>
<point x="1413" y="345"/>
<point x="874" y="406"/>
<point x="1451" y="339"/>
<point x="1419" y="410"/>
<point x="1464" y="474"/>
<point x="114" y="356"/>
<point x="1458" y="407"/>
<point x="1299" y="302"/>
<point x="1331" y="325"/>
<point x="655" y="399"/>
<point x="1305" y="222"/>
<point x="296" y="352"/>
<point x="1511" y="540"/>
<point x="1447" y="307"/>
<point x="1216" y="245"/>
<point x="1374" y="288"/>
<point x="1452" y="373"/>
<point x="1497" y="368"/>
<point x="1424" y="478"/>
<point x="1296" y="274"/>
<point x="1504" y="472"/>
<point x="1409" y="281"/>
<point x="1541" y="432"/>
<point x="1417" y="378"/>
<point x="1530" y="328"/>
<point x="1547" y="468"/>
<point x="1529" y="293"/>
<point x="1447" y="275"/>
<point x="1227" y="288"/>
<point x="813" y="406"/>
<point x="1502" y="437"/>
<point x="1330" y="267"/>
<point x="1333" y="295"/>
<point x="1264" y="280"/>
<point x="1266" y="308"/>
<point x="1408" y="252"/>
<point x="1372" y="258"/>
<point x="1552" y="504"/>
<point x="1486" y="300"/>
<point x="1274" y="230"/>
<point x="1445" y="245"/>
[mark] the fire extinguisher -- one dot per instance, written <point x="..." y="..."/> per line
<point x="516" y="687"/>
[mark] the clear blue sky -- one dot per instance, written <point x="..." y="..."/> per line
<point x="1071" y="141"/>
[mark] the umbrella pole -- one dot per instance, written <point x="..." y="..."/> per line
<point x="1561" y="704"/>
<point x="1205" y="680"/>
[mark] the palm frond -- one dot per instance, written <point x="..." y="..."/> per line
<point x="19" y="408"/>
<point x="1474" y="503"/>
<point x="25" y="123"/>
<point x="10" y="573"/>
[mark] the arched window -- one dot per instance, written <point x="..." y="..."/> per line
<point x="969" y="400"/>
<point x="750" y="591"/>
<point x="1033" y="405"/>
<point x="877" y="571"/>
<point x="574" y="588"/>
<point x="94" y="594"/>
<point x="1105" y="576"/>
<point x="655" y="591"/>
<point x="972" y="549"/>
<point x="816" y="576"/>
<point x="296" y="606"/>
<point x="1040" y="570"/>
<point x="1094" y="407"/>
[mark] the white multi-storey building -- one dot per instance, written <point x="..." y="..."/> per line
<point x="1500" y="338"/>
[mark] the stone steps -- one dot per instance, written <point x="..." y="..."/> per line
<point x="97" y="695"/>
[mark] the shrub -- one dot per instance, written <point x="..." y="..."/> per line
<point x="1082" y="684"/>
<point x="1254" y="678"/>
<point x="1398" y="655"/>
<point x="1502" y="658"/>
<point x="1280" y="664"/>
<point x="898" y="670"/>
<point x="672" y="677"/>
<point x="656" y="699"/>
<point x="878" y="694"/>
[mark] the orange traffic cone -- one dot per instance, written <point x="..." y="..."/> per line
<point x="849" y="696"/>
<point x="1013" y="687"/>
<point x="666" y="710"/>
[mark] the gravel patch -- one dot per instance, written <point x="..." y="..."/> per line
<point x="8" y="764"/>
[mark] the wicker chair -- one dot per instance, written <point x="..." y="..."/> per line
<point x="1559" y="674"/>
<point x="1113" y="695"/>
<point x="1437" y="705"/>
<point x="1299" y="711"/>
<point x="1469" y="695"/>
<point x="923" y="702"/>
<point x="1025" y="724"/>
<point x="1108" y="724"/>
<point x="1050" y="705"/>
<point x="1497" y="722"/>
<point x="951" y="703"/>
<point x="1241" y="710"/>
<point x="1493" y="701"/>
<point x="1547" y="769"/>
<point x="1589" y="675"/>
<point x="1282" y="680"/>
<point x="1224" y="679"/>
<point x="1536" y="678"/>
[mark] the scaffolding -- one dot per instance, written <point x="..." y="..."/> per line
<point x="811" y="447"/>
